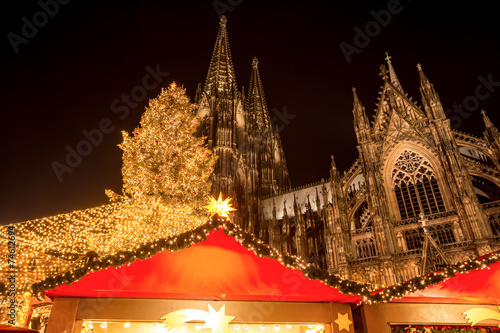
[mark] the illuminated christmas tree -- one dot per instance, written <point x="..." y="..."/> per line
<point x="166" y="171"/>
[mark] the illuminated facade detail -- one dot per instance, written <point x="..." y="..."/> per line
<point x="415" y="186"/>
<point x="364" y="224"/>
<point x="238" y="128"/>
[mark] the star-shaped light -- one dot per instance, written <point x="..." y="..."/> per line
<point x="218" y="321"/>
<point x="219" y="206"/>
<point x="343" y="321"/>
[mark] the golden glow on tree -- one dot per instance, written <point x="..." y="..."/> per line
<point x="166" y="171"/>
<point x="219" y="206"/>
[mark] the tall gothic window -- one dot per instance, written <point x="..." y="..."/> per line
<point x="416" y="186"/>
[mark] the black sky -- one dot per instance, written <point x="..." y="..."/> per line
<point x="65" y="78"/>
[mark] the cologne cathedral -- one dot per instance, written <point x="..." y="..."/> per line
<point x="420" y="194"/>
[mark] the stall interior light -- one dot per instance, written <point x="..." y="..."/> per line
<point x="155" y="327"/>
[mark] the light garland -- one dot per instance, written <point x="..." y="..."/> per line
<point x="263" y="250"/>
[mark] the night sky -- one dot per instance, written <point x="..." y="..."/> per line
<point x="66" y="76"/>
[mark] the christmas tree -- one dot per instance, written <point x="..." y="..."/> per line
<point x="166" y="171"/>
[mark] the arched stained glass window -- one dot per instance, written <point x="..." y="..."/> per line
<point x="415" y="186"/>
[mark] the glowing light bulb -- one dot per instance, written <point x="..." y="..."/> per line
<point x="277" y="327"/>
<point x="126" y="325"/>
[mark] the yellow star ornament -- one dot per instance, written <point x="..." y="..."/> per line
<point x="219" y="206"/>
<point x="343" y="321"/>
<point x="218" y="321"/>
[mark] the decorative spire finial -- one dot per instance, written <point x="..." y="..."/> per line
<point x="223" y="21"/>
<point x="255" y="62"/>
<point x="388" y="57"/>
<point x="392" y="72"/>
<point x="383" y="72"/>
<point x="419" y="67"/>
<point x="334" y="165"/>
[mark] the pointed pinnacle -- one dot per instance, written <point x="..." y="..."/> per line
<point x="392" y="72"/>
<point x="423" y="78"/>
<point x="223" y="21"/>
<point x="355" y="95"/>
<point x="486" y="119"/>
<point x="334" y="165"/>
<point x="255" y="62"/>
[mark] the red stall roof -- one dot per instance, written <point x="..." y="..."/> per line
<point x="219" y="268"/>
<point x="474" y="287"/>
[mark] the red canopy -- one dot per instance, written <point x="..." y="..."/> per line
<point x="476" y="287"/>
<point x="217" y="268"/>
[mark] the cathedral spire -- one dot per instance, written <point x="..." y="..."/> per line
<point x="392" y="73"/>
<point x="430" y="98"/>
<point x="221" y="77"/>
<point x="334" y="174"/>
<point x="486" y="120"/>
<point x="255" y="101"/>
<point x="361" y="124"/>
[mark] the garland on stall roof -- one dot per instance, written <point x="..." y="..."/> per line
<point x="95" y="263"/>
<point x="443" y="329"/>
<point x="422" y="282"/>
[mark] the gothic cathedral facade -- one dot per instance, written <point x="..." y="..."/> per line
<point x="420" y="194"/>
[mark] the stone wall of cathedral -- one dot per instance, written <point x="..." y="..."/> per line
<point x="419" y="196"/>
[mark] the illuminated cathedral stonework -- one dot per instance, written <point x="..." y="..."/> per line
<point x="238" y="128"/>
<point x="415" y="179"/>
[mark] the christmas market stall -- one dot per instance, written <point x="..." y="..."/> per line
<point x="464" y="298"/>
<point x="223" y="279"/>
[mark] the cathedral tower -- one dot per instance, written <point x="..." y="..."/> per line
<point x="238" y="128"/>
